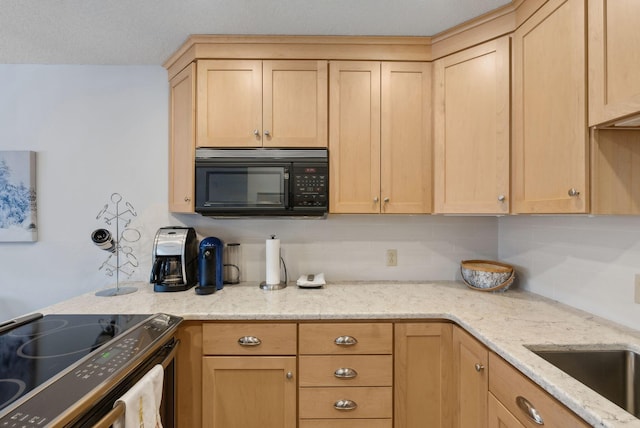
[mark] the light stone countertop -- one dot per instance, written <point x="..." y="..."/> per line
<point x="504" y="322"/>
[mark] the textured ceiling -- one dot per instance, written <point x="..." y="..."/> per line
<point x="149" y="31"/>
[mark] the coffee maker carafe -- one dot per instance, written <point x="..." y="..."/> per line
<point x="174" y="259"/>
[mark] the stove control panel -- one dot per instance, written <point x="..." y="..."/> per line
<point x="76" y="389"/>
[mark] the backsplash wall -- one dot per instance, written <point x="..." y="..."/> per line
<point x="353" y="247"/>
<point x="587" y="262"/>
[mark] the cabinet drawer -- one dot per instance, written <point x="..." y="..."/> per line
<point x="345" y="423"/>
<point x="357" y="338"/>
<point x="345" y="370"/>
<point x="507" y="384"/>
<point x="272" y="339"/>
<point x="371" y="402"/>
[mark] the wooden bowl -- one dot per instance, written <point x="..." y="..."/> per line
<point x="487" y="275"/>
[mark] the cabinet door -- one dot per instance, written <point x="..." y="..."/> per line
<point x="471" y="380"/>
<point x="405" y="186"/>
<point x="549" y="112"/>
<point x="499" y="416"/>
<point x="249" y="392"/>
<point x="188" y="375"/>
<point x="294" y="103"/>
<point x="354" y="137"/>
<point x="422" y="385"/>
<point x="182" y="144"/>
<point x="472" y="130"/>
<point x="614" y="59"/>
<point x="229" y="103"/>
<point x="523" y="398"/>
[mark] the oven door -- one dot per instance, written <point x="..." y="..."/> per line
<point x="108" y="410"/>
<point x="233" y="188"/>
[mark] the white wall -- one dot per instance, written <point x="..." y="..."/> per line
<point x="103" y="129"/>
<point x="587" y="262"/>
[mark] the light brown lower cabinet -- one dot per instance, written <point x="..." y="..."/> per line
<point x="470" y="380"/>
<point x="345" y="375"/>
<point x="423" y="372"/>
<point x="249" y="375"/>
<point x="352" y="375"/>
<point x="249" y="392"/>
<point x="525" y="400"/>
<point x="499" y="416"/>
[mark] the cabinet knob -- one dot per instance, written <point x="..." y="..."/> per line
<point x="289" y="375"/>
<point x="375" y="199"/>
<point x="345" y="405"/>
<point x="531" y="412"/>
<point x="501" y="198"/>
<point x="256" y="133"/>
<point x="267" y="133"/>
<point x="573" y="192"/>
<point x="479" y="367"/>
<point x="187" y="199"/>
<point x="345" y="373"/>
<point x="345" y="341"/>
<point x="385" y="200"/>
<point x="249" y="341"/>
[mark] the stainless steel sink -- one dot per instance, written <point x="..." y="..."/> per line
<point x="614" y="374"/>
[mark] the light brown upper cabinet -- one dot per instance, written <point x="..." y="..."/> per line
<point x="252" y="103"/>
<point x="471" y="130"/>
<point x="182" y="144"/>
<point x="614" y="60"/>
<point x="379" y="137"/>
<point x="550" y="138"/>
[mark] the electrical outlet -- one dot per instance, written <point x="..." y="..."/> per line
<point x="392" y="257"/>
<point x="636" y="297"/>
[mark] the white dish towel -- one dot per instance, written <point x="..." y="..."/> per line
<point x="142" y="402"/>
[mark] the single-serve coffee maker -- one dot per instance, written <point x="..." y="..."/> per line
<point x="210" y="266"/>
<point x="175" y="259"/>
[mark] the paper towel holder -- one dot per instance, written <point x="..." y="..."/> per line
<point x="277" y="285"/>
<point x="268" y="287"/>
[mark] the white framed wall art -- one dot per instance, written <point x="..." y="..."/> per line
<point x="18" y="196"/>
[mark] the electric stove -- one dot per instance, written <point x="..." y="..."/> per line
<point x="70" y="370"/>
<point x="34" y="353"/>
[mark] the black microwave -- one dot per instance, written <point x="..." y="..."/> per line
<point x="262" y="182"/>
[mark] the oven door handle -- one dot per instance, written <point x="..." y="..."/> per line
<point x="112" y="416"/>
<point x="118" y="410"/>
<point x="169" y="358"/>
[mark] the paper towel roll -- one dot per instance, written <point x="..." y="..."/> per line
<point x="273" y="261"/>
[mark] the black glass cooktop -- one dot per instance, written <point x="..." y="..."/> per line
<point x="33" y="353"/>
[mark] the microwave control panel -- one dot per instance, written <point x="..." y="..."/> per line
<point x="310" y="186"/>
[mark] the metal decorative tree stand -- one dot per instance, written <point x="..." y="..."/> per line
<point x="121" y="261"/>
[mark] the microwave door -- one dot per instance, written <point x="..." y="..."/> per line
<point x="243" y="188"/>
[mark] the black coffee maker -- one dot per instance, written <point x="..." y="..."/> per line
<point x="175" y="259"/>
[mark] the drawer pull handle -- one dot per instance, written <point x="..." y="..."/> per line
<point x="345" y="341"/>
<point x="529" y="410"/>
<point x="249" y="341"/>
<point x="345" y="373"/>
<point x="345" y="405"/>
